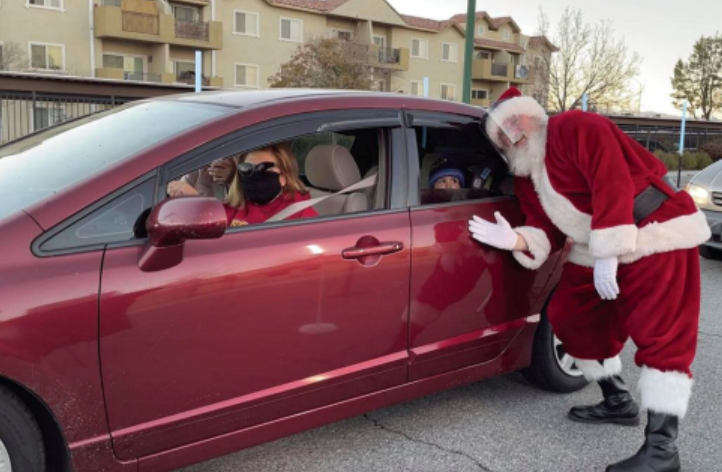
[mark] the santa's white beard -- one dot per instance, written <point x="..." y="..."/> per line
<point x="527" y="158"/>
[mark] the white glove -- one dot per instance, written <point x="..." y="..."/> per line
<point x="499" y="235"/>
<point x="605" y="278"/>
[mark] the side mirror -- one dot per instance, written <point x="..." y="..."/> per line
<point x="173" y="222"/>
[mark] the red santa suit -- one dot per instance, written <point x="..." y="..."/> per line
<point x="583" y="187"/>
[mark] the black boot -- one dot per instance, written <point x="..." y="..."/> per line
<point x="618" y="406"/>
<point x="659" y="452"/>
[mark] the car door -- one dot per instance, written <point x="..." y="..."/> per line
<point x="266" y="322"/>
<point x="468" y="301"/>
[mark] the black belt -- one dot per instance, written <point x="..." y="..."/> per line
<point x="650" y="200"/>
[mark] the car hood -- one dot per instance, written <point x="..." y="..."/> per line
<point x="710" y="178"/>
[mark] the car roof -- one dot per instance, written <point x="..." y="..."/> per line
<point x="255" y="98"/>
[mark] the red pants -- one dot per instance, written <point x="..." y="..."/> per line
<point x="658" y="306"/>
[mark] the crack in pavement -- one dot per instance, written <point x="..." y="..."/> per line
<point x="711" y="334"/>
<point x="456" y="452"/>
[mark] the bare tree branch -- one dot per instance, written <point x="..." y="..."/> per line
<point x="13" y="57"/>
<point x="591" y="61"/>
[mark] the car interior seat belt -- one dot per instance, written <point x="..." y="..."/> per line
<point x="300" y="206"/>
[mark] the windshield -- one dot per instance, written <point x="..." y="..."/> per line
<point x="43" y="164"/>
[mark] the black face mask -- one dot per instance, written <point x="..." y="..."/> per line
<point x="261" y="188"/>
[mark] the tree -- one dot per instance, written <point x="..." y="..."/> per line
<point x="13" y="57"/>
<point x="699" y="80"/>
<point x="330" y="63"/>
<point x="592" y="61"/>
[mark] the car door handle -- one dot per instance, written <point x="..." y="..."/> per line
<point x="377" y="250"/>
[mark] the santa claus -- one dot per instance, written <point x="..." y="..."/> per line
<point x="633" y="270"/>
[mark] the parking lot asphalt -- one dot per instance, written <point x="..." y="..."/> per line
<point x="502" y="425"/>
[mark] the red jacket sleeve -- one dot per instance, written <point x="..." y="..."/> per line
<point x="540" y="234"/>
<point x="600" y="158"/>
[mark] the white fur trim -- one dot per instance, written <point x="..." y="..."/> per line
<point x="683" y="232"/>
<point x="614" y="241"/>
<point x="594" y="371"/>
<point x="665" y="392"/>
<point x="539" y="246"/>
<point x="561" y="211"/>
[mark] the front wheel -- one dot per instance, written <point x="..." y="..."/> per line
<point x="21" y="444"/>
<point x="552" y="368"/>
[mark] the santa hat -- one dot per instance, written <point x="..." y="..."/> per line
<point x="511" y="92"/>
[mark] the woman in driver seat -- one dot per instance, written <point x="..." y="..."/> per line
<point x="267" y="181"/>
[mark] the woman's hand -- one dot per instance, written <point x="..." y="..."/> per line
<point x="178" y="188"/>
<point x="499" y="235"/>
<point x="222" y="171"/>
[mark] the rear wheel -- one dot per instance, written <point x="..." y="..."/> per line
<point x="552" y="368"/>
<point x="21" y="443"/>
<point x="710" y="253"/>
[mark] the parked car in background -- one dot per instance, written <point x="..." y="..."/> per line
<point x="138" y="332"/>
<point x="706" y="190"/>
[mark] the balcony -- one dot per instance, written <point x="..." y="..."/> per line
<point x="189" y="78"/>
<point x="481" y="103"/>
<point x="485" y="69"/>
<point x="116" y="22"/>
<point x="391" y="58"/>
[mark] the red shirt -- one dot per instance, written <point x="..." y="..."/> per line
<point x="253" y="214"/>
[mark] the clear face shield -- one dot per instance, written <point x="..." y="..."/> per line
<point x="503" y="135"/>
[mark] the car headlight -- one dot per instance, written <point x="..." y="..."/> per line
<point x="699" y="194"/>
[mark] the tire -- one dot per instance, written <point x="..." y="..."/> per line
<point x="546" y="370"/>
<point x="21" y="443"/>
<point x="710" y="253"/>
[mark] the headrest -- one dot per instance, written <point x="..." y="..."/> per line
<point x="331" y="167"/>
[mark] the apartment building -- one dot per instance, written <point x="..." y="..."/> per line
<point x="244" y="42"/>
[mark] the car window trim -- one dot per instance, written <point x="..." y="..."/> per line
<point x="36" y="245"/>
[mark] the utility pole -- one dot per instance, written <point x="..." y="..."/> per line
<point x="469" y="49"/>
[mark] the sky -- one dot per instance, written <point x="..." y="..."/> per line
<point x="661" y="31"/>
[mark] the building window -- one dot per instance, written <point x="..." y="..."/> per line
<point x="483" y="55"/>
<point x="479" y="94"/>
<point x="420" y="48"/>
<point x="112" y="61"/>
<point x="47" y="56"/>
<point x="50" y="4"/>
<point x="506" y="35"/>
<point x="247" y="75"/>
<point x="291" y="30"/>
<point x="449" y="52"/>
<point x="417" y="88"/>
<point x="380" y="41"/>
<point x="343" y="35"/>
<point x="480" y="30"/>
<point x="246" y="23"/>
<point x="448" y="92"/>
<point x="186" y="13"/>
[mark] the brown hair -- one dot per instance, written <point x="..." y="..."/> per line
<point x="288" y="166"/>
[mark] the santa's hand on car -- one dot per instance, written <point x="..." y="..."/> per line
<point x="499" y="234"/>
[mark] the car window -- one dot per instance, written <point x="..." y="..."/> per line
<point x="457" y="163"/>
<point x="323" y="163"/>
<point x="120" y="219"/>
<point x="43" y="164"/>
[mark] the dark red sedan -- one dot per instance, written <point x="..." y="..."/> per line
<point x="139" y="333"/>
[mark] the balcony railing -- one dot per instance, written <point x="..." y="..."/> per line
<point x="189" y="77"/>
<point x="389" y="56"/>
<point x="499" y="70"/>
<point x="196" y="30"/>
<point x="144" y="23"/>
<point x="141" y="76"/>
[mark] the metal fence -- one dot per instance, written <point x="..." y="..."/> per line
<point x="23" y="113"/>
<point x="666" y="137"/>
